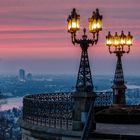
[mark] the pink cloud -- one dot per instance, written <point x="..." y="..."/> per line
<point x="38" y="29"/>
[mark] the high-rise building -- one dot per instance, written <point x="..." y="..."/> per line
<point x="22" y="75"/>
<point x="29" y="77"/>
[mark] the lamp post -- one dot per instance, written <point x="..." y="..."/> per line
<point x="119" y="45"/>
<point x="84" y="80"/>
<point x="84" y="94"/>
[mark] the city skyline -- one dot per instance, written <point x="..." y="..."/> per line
<point x="34" y="35"/>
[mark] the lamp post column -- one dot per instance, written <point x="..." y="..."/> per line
<point x="116" y="45"/>
<point x="84" y="95"/>
<point x="118" y="84"/>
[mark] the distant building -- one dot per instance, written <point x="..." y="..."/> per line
<point x="22" y="75"/>
<point x="29" y="77"/>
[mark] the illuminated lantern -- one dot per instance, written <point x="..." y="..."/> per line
<point x="73" y="22"/>
<point x="129" y="39"/>
<point x="98" y="20"/>
<point x="69" y="23"/>
<point x="99" y="24"/>
<point x="92" y="23"/>
<point x="95" y="22"/>
<point x="116" y="40"/>
<point x="122" y="39"/>
<point x="109" y="39"/>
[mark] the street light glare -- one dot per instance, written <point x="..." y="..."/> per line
<point x="95" y="22"/>
<point x="119" y="40"/>
<point x="129" y="39"/>
<point x="73" y="22"/>
<point x="73" y="25"/>
<point x="109" y="39"/>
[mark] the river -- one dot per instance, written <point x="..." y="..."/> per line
<point x="11" y="103"/>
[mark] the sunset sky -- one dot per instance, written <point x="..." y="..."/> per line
<point x="33" y="35"/>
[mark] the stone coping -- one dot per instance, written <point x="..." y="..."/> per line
<point x="118" y="129"/>
<point x="47" y="130"/>
<point x="103" y="131"/>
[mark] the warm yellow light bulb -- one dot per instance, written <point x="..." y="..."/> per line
<point x="73" y="23"/>
<point x="108" y="42"/>
<point x="109" y="39"/>
<point x="116" y="40"/>
<point x="128" y="42"/>
<point x="93" y="23"/>
<point x="94" y="26"/>
<point x="129" y="39"/>
<point x="122" y="39"/>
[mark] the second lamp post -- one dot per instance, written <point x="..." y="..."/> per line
<point x="119" y="44"/>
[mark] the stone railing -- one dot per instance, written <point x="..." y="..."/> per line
<point x="51" y="110"/>
<point x="103" y="99"/>
<point x="55" y="109"/>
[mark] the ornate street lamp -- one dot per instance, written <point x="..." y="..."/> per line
<point x="84" y="79"/>
<point x="119" y="44"/>
<point x="84" y="96"/>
